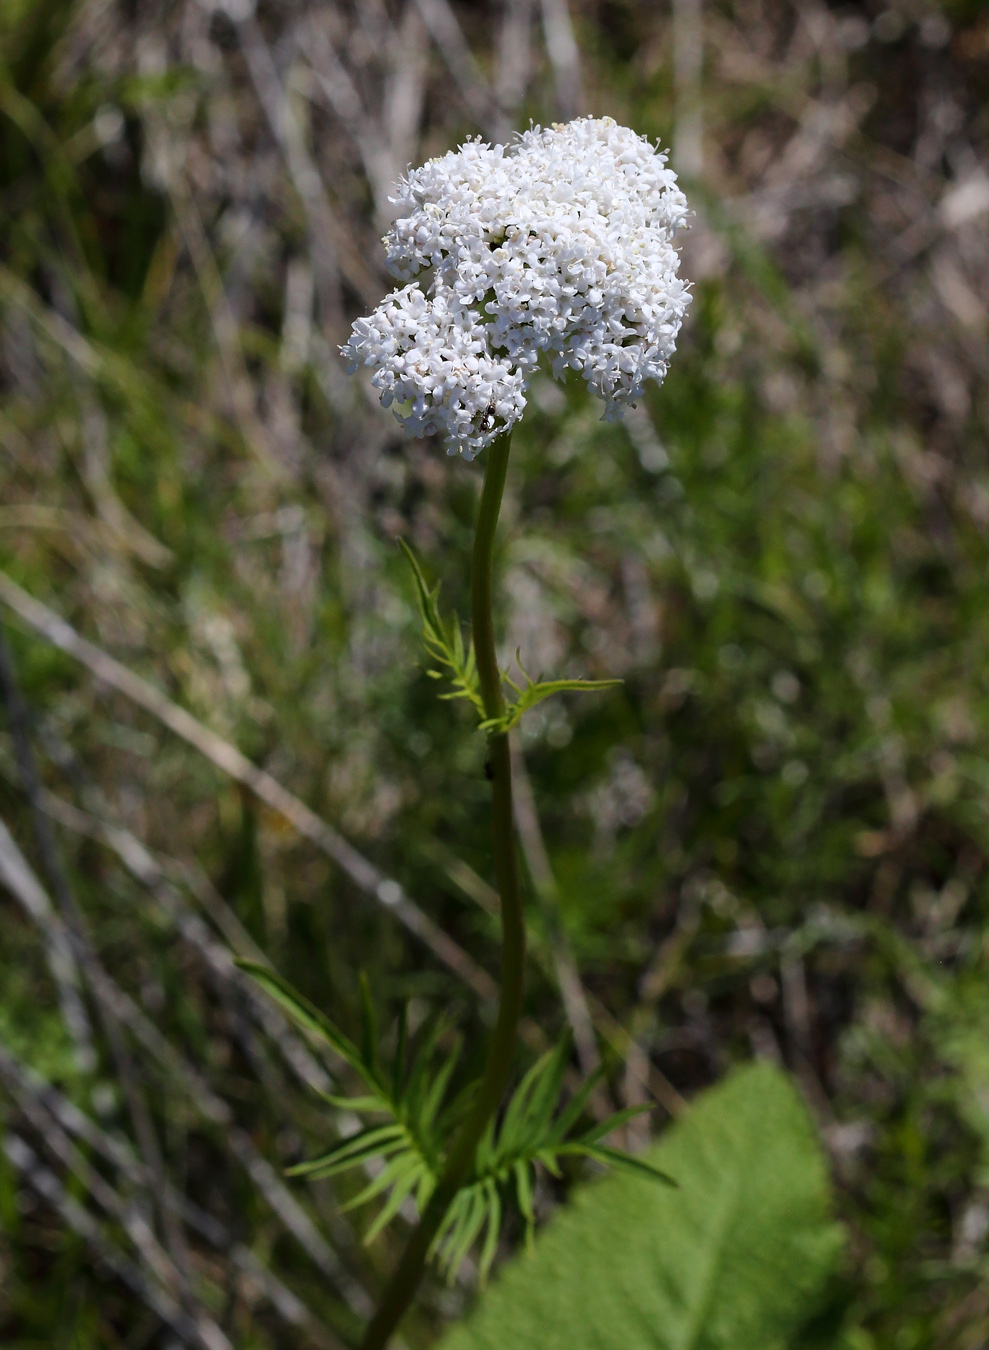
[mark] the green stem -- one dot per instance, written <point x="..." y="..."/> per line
<point x="405" y="1281"/>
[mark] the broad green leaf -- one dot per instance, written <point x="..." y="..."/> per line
<point x="736" y="1258"/>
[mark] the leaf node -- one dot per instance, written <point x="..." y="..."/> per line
<point x="415" y="1112"/>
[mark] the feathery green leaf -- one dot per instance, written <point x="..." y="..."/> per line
<point x="375" y="1142"/>
<point x="443" y="641"/>
<point x="533" y="692"/>
<point x="299" y="1008"/>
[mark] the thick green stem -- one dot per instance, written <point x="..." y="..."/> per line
<point x="405" y="1281"/>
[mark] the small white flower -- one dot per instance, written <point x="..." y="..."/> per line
<point x="560" y="244"/>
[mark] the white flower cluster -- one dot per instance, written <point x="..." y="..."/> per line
<point x="560" y="244"/>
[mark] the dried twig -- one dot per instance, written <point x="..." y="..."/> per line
<point x="514" y="65"/>
<point x="18" y="878"/>
<point x="184" y="1076"/>
<point x="42" y="1180"/>
<point x="688" y="57"/>
<point x="219" y="960"/>
<point x="331" y="248"/>
<point x="315" y="44"/>
<point x="98" y="361"/>
<point x="55" y="1118"/>
<point x="405" y="86"/>
<point x="156" y="1263"/>
<point x="564" y="56"/>
<point x="120" y="523"/>
<point x="226" y="757"/>
<point x="73" y="926"/>
<point x="446" y="32"/>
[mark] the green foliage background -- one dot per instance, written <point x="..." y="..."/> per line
<point x="770" y="843"/>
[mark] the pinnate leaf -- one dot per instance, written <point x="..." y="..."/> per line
<point x="444" y="640"/>
<point x="445" y="644"/>
<point x="533" y="692"/>
<point x="410" y="1146"/>
<point x="303" y="1012"/>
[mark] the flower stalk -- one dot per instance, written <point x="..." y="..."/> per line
<point x="498" y="1064"/>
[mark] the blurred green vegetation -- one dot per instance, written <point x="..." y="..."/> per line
<point x="771" y="842"/>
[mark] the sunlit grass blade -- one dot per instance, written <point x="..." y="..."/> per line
<point x="516" y="1123"/>
<point x="367" y="1143"/>
<point x="433" y="1099"/>
<point x="604" y="1127"/>
<point x="358" y="1104"/>
<point x="401" y="1164"/>
<point x="621" y="1162"/>
<point x="571" y="1113"/>
<point x="463" y="1223"/>
<point x="303" y="1012"/>
<point x="402" y="1189"/>
<point x="523" y="1192"/>
<point x="492" y="1233"/>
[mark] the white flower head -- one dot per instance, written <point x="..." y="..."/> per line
<point x="560" y="244"/>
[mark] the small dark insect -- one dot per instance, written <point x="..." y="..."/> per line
<point x="488" y="770"/>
